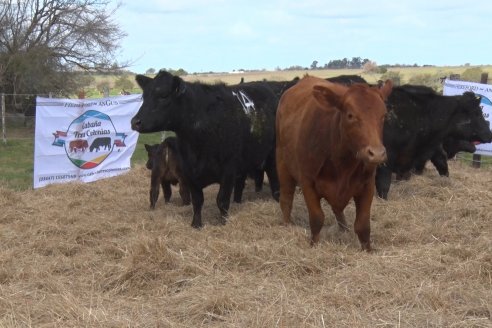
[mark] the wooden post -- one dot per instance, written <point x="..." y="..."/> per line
<point x="4" y="134"/>
<point x="476" y="157"/>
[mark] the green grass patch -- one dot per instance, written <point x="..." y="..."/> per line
<point x="485" y="161"/>
<point x="16" y="163"/>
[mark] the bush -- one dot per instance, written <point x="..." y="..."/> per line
<point x="392" y="75"/>
<point x="103" y="86"/>
<point x="123" y="83"/>
<point x="473" y="74"/>
<point x="430" y="80"/>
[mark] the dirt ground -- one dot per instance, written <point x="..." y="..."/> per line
<point x="95" y="255"/>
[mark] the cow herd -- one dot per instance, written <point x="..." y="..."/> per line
<point x="338" y="139"/>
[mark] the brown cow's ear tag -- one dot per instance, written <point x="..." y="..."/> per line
<point x="326" y="97"/>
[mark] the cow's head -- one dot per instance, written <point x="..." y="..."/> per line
<point x="151" y="154"/>
<point x="161" y="100"/>
<point x="362" y="112"/>
<point x="470" y="123"/>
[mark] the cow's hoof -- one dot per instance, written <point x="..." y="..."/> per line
<point x="197" y="225"/>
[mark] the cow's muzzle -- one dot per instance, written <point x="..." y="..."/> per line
<point x="372" y="154"/>
<point x="136" y="124"/>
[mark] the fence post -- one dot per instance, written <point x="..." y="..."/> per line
<point x="4" y="134"/>
<point x="476" y="157"/>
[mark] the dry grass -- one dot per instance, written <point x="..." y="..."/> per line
<point x="94" y="255"/>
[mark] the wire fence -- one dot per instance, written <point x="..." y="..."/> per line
<point x="18" y="116"/>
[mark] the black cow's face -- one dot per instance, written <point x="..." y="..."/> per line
<point x="160" y="102"/>
<point x="471" y="124"/>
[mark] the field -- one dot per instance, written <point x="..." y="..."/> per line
<point x="95" y="255"/>
<point x="405" y="72"/>
<point x="233" y="78"/>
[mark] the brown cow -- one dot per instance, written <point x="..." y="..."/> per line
<point x="164" y="161"/>
<point x="329" y="142"/>
<point x="78" y="145"/>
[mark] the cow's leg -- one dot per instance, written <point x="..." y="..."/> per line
<point x="316" y="215"/>
<point x="166" y="186"/>
<point x="440" y="161"/>
<point x="197" y="201"/>
<point x="224" y="195"/>
<point x="362" y="224"/>
<point x="184" y="192"/>
<point x="154" y="189"/>
<point x="419" y="167"/>
<point x="340" y="216"/>
<point x="287" y="190"/>
<point x="239" y="184"/>
<point x="273" y="179"/>
<point x="383" y="181"/>
<point x="259" y="178"/>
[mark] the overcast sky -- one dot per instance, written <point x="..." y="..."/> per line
<point x="227" y="35"/>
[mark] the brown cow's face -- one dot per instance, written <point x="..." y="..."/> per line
<point x="362" y="118"/>
<point x="151" y="154"/>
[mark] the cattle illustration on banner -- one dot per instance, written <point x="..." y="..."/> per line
<point x="90" y="139"/>
<point x="83" y="139"/>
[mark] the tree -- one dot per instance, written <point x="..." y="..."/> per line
<point x="150" y="71"/>
<point x="314" y="65"/>
<point x="370" y="67"/>
<point x="123" y="83"/>
<point x="392" y="75"/>
<point x="45" y="43"/>
<point x="356" y="62"/>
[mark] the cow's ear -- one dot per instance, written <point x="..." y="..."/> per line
<point x="386" y="89"/>
<point x="478" y="98"/>
<point x="142" y="80"/>
<point x="179" y="86"/>
<point x="326" y="97"/>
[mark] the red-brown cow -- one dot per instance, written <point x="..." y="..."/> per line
<point x="78" y="145"/>
<point x="329" y="142"/>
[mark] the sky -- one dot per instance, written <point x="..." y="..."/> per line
<point x="228" y="35"/>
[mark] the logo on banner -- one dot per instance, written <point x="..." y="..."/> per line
<point x="90" y="139"/>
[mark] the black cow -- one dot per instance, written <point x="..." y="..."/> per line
<point x="347" y="79"/>
<point x="223" y="132"/>
<point x="166" y="165"/>
<point x="417" y="123"/>
<point x="104" y="142"/>
<point x="449" y="148"/>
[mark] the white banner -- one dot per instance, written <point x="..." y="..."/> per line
<point x="453" y="88"/>
<point x="83" y="139"/>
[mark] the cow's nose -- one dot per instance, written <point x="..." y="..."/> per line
<point x="136" y="124"/>
<point x="374" y="154"/>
